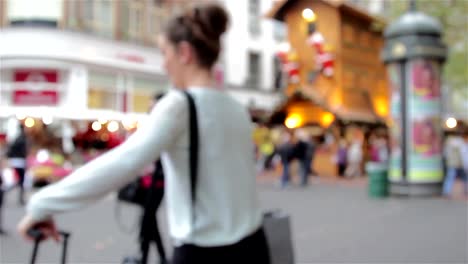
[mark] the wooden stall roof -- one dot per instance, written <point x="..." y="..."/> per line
<point x="280" y="112"/>
<point x="280" y="8"/>
<point x="358" y="108"/>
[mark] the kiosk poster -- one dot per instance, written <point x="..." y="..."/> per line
<point x="425" y="75"/>
<point x="425" y="121"/>
<point x="394" y="75"/>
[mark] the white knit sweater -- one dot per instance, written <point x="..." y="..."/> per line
<point x="226" y="206"/>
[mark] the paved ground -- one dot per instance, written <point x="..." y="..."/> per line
<point x="332" y="221"/>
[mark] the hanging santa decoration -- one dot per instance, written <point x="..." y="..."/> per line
<point x="291" y="67"/>
<point x="289" y="64"/>
<point x="324" y="58"/>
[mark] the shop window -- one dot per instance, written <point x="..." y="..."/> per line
<point x="102" y="98"/>
<point x="102" y="92"/>
<point x="143" y="93"/>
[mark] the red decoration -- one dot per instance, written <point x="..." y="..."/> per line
<point x="324" y="59"/>
<point x="289" y="65"/>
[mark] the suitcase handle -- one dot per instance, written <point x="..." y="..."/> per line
<point x="38" y="237"/>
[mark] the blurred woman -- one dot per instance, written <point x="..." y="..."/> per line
<point x="224" y="224"/>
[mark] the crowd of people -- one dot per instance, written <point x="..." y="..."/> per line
<point x="282" y="146"/>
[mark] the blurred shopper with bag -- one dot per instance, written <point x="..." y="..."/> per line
<point x="17" y="153"/>
<point x="147" y="192"/>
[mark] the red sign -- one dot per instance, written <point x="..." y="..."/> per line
<point x="41" y="92"/>
<point x="36" y="75"/>
<point x="131" y="58"/>
<point x="44" y="97"/>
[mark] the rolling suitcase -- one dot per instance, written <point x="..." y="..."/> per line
<point x="37" y="235"/>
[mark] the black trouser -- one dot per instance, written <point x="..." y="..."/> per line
<point x="20" y="172"/>
<point x="341" y="169"/>
<point x="149" y="231"/>
<point x="252" y="249"/>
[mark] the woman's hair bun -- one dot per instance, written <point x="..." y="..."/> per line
<point x="214" y="18"/>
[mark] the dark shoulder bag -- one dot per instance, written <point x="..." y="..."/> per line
<point x="193" y="148"/>
<point x="133" y="193"/>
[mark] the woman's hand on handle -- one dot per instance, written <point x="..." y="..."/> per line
<point x="46" y="228"/>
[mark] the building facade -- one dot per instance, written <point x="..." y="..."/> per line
<point x="98" y="59"/>
<point x="336" y="82"/>
<point x="354" y="88"/>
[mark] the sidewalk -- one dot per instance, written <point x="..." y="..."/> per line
<point x="333" y="221"/>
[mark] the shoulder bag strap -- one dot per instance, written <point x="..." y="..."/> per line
<point x="193" y="148"/>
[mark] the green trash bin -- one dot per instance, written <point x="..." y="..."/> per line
<point x="377" y="174"/>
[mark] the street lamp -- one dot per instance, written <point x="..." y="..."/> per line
<point x="293" y="121"/>
<point x="451" y="123"/>
<point x="309" y="15"/>
<point x="414" y="54"/>
<point x="29" y="122"/>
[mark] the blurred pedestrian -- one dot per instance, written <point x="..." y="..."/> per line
<point x="222" y="223"/>
<point x="383" y="150"/>
<point x="149" y="230"/>
<point x="304" y="151"/>
<point x="453" y="150"/>
<point x="17" y="153"/>
<point x="342" y="157"/>
<point x="267" y="150"/>
<point x="2" y="162"/>
<point x="464" y="154"/>
<point x="354" y="159"/>
<point x="373" y="148"/>
<point x="286" y="151"/>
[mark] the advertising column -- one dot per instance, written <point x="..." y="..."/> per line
<point x="425" y="150"/>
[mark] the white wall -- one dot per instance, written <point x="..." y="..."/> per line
<point x="77" y="48"/>
<point x="34" y="9"/>
<point x="239" y="41"/>
<point x="77" y="88"/>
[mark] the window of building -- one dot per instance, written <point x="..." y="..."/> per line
<point x="102" y="92"/>
<point x="254" y="17"/>
<point x="2" y="13"/>
<point x="254" y="78"/>
<point x="278" y="74"/>
<point x="95" y="16"/>
<point x="365" y="39"/>
<point x="136" y="21"/>
<point x="74" y="19"/>
<point x="143" y="92"/>
<point x="348" y="34"/>
<point x="157" y="18"/>
<point x="279" y="30"/>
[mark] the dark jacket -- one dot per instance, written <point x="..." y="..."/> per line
<point x="18" y="149"/>
<point x="287" y="151"/>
